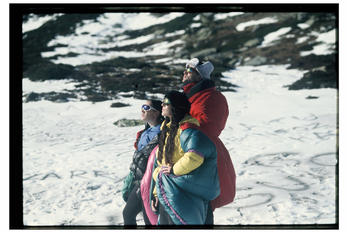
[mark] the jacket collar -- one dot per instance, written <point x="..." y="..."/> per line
<point x="186" y="119"/>
<point x="193" y="88"/>
<point x="186" y="88"/>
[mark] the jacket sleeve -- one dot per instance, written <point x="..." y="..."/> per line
<point x="156" y="170"/>
<point x="154" y="176"/>
<point x="193" y="157"/>
<point x="190" y="161"/>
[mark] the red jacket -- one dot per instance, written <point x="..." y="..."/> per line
<point x="210" y="108"/>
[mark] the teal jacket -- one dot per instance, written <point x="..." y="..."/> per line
<point x="185" y="198"/>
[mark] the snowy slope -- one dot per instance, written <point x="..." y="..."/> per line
<point x="282" y="144"/>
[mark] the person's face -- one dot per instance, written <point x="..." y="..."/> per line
<point x="190" y="76"/>
<point x="167" y="110"/>
<point x="150" y="114"/>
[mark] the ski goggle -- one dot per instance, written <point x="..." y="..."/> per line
<point x="166" y="101"/>
<point x="147" y="108"/>
<point x="189" y="69"/>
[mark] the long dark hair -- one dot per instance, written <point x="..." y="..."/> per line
<point x="180" y="107"/>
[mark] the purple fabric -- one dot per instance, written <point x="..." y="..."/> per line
<point x="197" y="152"/>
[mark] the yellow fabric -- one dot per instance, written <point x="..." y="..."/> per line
<point x="189" y="162"/>
<point x="183" y="162"/>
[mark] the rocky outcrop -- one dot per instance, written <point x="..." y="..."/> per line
<point x="256" y="61"/>
<point x="216" y="40"/>
<point x="128" y="122"/>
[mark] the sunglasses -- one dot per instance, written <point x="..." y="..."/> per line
<point x="189" y="69"/>
<point x="166" y="101"/>
<point x="147" y="108"/>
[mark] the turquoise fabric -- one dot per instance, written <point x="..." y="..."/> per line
<point x="186" y="198"/>
<point x="127" y="186"/>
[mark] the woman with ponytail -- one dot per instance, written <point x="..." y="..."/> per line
<point x="146" y="141"/>
<point x="185" y="171"/>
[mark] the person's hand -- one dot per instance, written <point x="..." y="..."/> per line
<point x="154" y="204"/>
<point x="166" y="169"/>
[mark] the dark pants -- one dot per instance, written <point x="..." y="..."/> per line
<point x="164" y="217"/>
<point x="210" y="216"/>
<point x="133" y="207"/>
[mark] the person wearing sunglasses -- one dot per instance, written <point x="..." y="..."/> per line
<point x="146" y="141"/>
<point x="184" y="175"/>
<point x="210" y="108"/>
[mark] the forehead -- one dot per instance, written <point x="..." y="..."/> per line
<point x="148" y="102"/>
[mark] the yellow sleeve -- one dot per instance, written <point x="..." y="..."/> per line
<point x="154" y="176"/>
<point x="154" y="191"/>
<point x="187" y="163"/>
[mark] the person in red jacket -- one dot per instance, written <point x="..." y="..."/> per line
<point x="210" y="108"/>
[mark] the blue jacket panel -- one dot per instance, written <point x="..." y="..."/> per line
<point x="148" y="135"/>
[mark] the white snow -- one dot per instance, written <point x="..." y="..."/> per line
<point x="35" y="22"/>
<point x="282" y="145"/>
<point x="47" y="86"/>
<point x="89" y="45"/>
<point x="222" y="16"/>
<point x="268" y="20"/>
<point x="302" y="39"/>
<point x="273" y="36"/>
<point x="326" y="46"/>
<point x="303" y="25"/>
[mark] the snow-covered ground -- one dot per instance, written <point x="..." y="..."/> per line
<point x="282" y="144"/>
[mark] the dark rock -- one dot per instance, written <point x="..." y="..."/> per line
<point x="97" y="97"/>
<point x="59" y="97"/>
<point x="253" y="42"/>
<point x="51" y="96"/>
<point x="128" y="122"/>
<point x="118" y="105"/>
<point x="204" y="53"/>
<point x="47" y="70"/>
<point x="315" y="80"/>
<point x="32" y="96"/>
<point x="256" y="61"/>
<point x="312" y="97"/>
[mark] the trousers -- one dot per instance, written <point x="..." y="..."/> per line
<point x="164" y="218"/>
<point x="210" y="216"/>
<point x="133" y="207"/>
